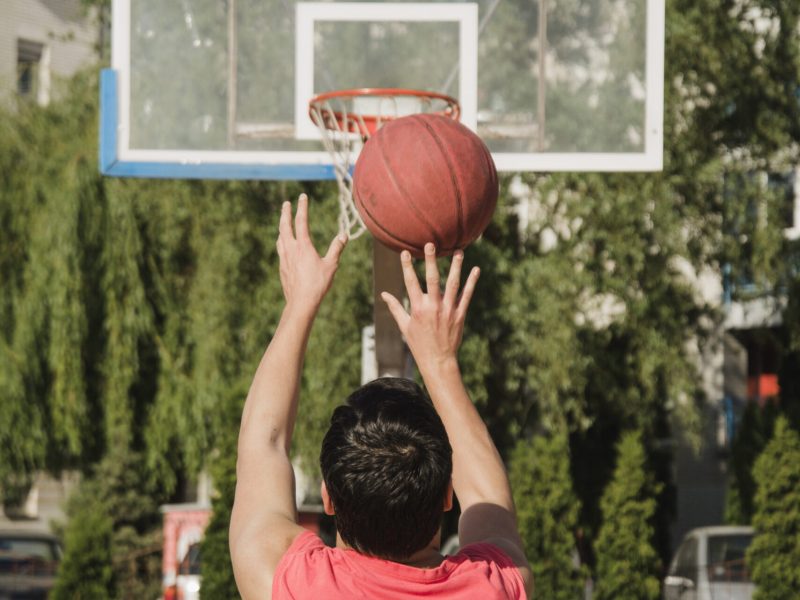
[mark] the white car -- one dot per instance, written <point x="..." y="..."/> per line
<point x="710" y="565"/>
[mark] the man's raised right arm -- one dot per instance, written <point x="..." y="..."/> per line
<point x="433" y="330"/>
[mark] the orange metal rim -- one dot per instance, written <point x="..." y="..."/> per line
<point x="452" y="110"/>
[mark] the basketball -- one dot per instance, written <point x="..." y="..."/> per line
<point x="425" y="178"/>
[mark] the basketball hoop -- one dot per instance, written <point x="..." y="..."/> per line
<point x="347" y="118"/>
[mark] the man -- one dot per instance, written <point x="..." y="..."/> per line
<point x="387" y="475"/>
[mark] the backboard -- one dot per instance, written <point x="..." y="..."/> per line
<point x="220" y="88"/>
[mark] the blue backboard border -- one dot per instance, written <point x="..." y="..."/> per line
<point x="111" y="165"/>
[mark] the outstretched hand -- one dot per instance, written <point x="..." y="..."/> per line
<point x="305" y="276"/>
<point x="434" y="325"/>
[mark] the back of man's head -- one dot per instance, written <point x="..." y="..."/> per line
<point x="387" y="463"/>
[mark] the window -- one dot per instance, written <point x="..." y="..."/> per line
<point x="686" y="560"/>
<point x="29" y="58"/>
<point x="783" y="185"/>
<point x="726" y="557"/>
<point x="31" y="556"/>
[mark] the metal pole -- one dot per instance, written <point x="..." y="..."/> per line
<point x="390" y="350"/>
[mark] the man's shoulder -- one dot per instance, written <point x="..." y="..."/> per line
<point x="502" y="562"/>
<point x="310" y="569"/>
<point x="499" y="549"/>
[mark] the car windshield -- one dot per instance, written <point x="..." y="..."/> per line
<point x="30" y="556"/>
<point x="726" y="558"/>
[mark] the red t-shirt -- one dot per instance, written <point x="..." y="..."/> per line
<point x="311" y="570"/>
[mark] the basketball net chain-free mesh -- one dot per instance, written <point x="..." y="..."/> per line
<point x="346" y="120"/>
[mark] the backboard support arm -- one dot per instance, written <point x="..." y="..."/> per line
<point x="390" y="350"/>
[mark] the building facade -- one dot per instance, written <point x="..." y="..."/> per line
<point x="42" y="41"/>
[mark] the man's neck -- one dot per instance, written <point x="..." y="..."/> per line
<point x="427" y="558"/>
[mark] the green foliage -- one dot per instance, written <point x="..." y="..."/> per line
<point x="49" y="215"/>
<point x="755" y="430"/>
<point x="774" y="555"/>
<point x="133" y="313"/>
<point x="112" y="540"/>
<point x="218" y="581"/>
<point x="627" y="564"/>
<point x="85" y="572"/>
<point x="547" y="512"/>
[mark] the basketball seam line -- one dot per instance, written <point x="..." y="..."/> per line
<point x="383" y="229"/>
<point x="409" y="200"/>
<point x="453" y="179"/>
<point x="406" y="244"/>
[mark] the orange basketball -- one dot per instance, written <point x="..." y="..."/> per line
<point x="425" y="178"/>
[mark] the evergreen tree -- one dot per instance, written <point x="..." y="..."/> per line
<point x="774" y="555"/>
<point x="115" y="511"/>
<point x="86" y="573"/>
<point x="547" y="512"/>
<point x="627" y="564"/>
<point x="218" y="581"/>
<point x="755" y="430"/>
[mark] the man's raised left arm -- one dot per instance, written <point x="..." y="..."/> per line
<point x="264" y="518"/>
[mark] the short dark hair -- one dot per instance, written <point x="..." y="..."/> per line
<point x="387" y="463"/>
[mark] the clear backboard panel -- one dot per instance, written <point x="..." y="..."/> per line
<point x="220" y="88"/>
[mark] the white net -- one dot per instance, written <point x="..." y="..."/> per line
<point x="347" y="119"/>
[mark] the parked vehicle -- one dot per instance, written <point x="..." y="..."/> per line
<point x="28" y="564"/>
<point x="710" y="565"/>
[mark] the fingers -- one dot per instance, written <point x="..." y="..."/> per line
<point x="285" y="225"/>
<point x="410" y="278"/>
<point x="335" y="249"/>
<point x="466" y="293"/>
<point x="453" y="279"/>
<point x="398" y="312"/>
<point x="301" y="219"/>
<point x="431" y="272"/>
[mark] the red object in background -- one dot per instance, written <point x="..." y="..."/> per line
<point x="184" y="525"/>
<point x="763" y="387"/>
<point x="171" y="593"/>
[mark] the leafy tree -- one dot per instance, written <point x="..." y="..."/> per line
<point x="133" y="313"/>
<point x="627" y="563"/>
<point x="547" y="512"/>
<point x="774" y="555"/>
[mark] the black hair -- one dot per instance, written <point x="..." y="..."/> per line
<point x="387" y="463"/>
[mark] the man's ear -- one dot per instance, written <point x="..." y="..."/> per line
<point x="448" y="497"/>
<point x="326" y="499"/>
